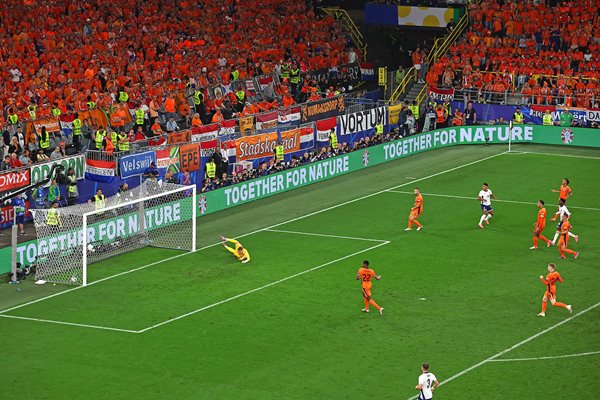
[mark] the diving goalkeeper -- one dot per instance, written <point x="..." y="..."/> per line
<point x="239" y="251"/>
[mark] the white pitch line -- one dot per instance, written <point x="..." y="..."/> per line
<point x="497" y="200"/>
<point x="554" y="154"/>
<point x="258" y="230"/>
<point x="521" y="343"/>
<point x="106" y="328"/>
<point x="326" y="235"/>
<point x="261" y="288"/>
<point x="589" y="353"/>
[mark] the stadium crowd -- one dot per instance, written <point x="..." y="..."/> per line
<point x="127" y="57"/>
<point x="548" y="54"/>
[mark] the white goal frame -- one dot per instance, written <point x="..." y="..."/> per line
<point x="130" y="203"/>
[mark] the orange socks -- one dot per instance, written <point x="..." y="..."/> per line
<point x="374" y="304"/>
<point x="544" y="304"/>
<point x="535" y="241"/>
<point x="417" y="223"/>
<point x="544" y="238"/>
<point x="570" y="251"/>
<point x="366" y="303"/>
<point x="410" y="224"/>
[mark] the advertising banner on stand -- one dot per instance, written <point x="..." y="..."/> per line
<point x="39" y="172"/>
<point x="322" y="109"/>
<point x="136" y="164"/>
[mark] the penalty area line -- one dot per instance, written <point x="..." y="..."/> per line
<point x="326" y="235"/>
<point x="449" y="196"/>
<point x="260" y="288"/>
<point x="521" y="343"/>
<point x="50" y="321"/>
<point x="589" y="353"/>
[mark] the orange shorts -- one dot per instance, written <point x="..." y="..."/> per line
<point x="415" y="214"/>
<point x="563" y="242"/>
<point x="550" y="295"/>
<point x="366" y="292"/>
<point x="538" y="229"/>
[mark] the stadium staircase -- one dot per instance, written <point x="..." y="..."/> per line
<point x="350" y="27"/>
<point x="409" y="86"/>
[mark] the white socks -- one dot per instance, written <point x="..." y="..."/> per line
<point x="488" y="216"/>
<point x="555" y="237"/>
<point x="481" y="219"/>
<point x="572" y="234"/>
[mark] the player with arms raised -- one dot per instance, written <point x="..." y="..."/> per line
<point x="416" y="211"/>
<point x="427" y="383"/>
<point x="239" y="251"/>
<point x="365" y="275"/>
<point x="485" y="197"/>
<point x="539" y="226"/>
<point x="550" y="282"/>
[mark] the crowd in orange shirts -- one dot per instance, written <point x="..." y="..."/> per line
<point x="550" y="54"/>
<point x="65" y="54"/>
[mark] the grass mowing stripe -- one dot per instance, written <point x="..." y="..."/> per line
<point x="326" y="235"/>
<point x="589" y="353"/>
<point x="521" y="343"/>
<point x="107" y="328"/>
<point x="259" y="230"/>
<point x="261" y="288"/>
<point x="450" y="196"/>
<point x="516" y="152"/>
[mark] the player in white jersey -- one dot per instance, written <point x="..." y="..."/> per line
<point x="485" y="197"/>
<point x="563" y="211"/>
<point x="427" y="383"/>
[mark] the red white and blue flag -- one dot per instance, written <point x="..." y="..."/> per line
<point x="100" y="171"/>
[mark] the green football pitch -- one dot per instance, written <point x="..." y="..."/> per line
<point x="288" y="325"/>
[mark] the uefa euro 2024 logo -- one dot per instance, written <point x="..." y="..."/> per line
<point x="567" y="135"/>
<point x="365" y="158"/>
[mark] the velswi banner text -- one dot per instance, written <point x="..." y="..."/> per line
<point x="136" y="164"/>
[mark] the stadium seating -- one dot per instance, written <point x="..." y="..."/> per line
<point x="65" y="51"/>
<point x="542" y="54"/>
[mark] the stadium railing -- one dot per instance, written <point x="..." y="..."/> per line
<point x="348" y="24"/>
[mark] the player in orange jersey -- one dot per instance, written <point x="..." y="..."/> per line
<point x="539" y="226"/>
<point x="563" y="241"/>
<point x="564" y="191"/>
<point x="416" y="211"/>
<point x="365" y="275"/>
<point x="550" y="282"/>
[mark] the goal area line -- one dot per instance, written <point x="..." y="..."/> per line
<point x="204" y="308"/>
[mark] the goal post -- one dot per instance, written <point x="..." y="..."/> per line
<point x="154" y="214"/>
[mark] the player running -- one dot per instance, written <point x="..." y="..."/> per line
<point x="550" y="282"/>
<point x="539" y="226"/>
<point x="562" y="212"/>
<point x="427" y="383"/>
<point x="416" y="211"/>
<point x="239" y="251"/>
<point x="485" y="197"/>
<point x="365" y="274"/>
<point x="564" y="191"/>
<point x="563" y="242"/>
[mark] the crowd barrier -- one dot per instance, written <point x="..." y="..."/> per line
<point x="241" y="193"/>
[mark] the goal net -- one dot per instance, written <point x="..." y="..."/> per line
<point x="72" y="238"/>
